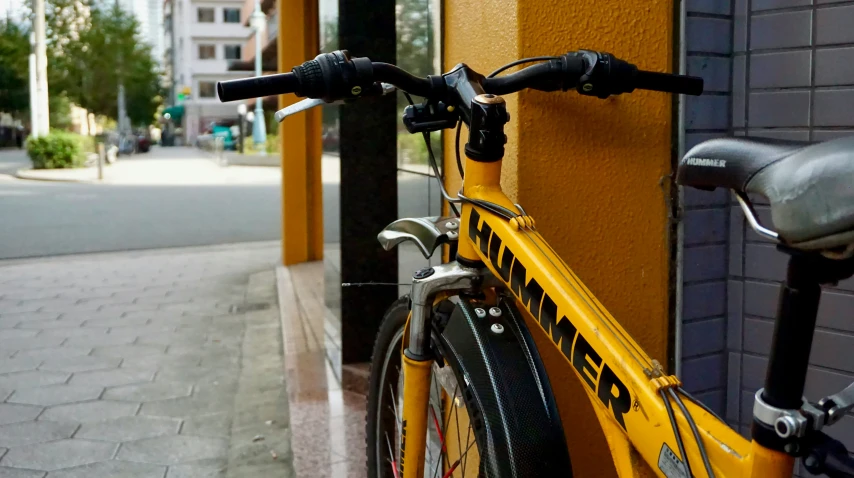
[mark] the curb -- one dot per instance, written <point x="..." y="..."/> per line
<point x="135" y="253"/>
<point x="268" y="161"/>
<point x="260" y="441"/>
<point x="25" y="175"/>
<point x="353" y="377"/>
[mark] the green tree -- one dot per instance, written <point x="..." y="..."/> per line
<point x="14" y="68"/>
<point x="415" y="42"/>
<point x="92" y="47"/>
<point x="145" y="92"/>
<point x="66" y="22"/>
<point x="329" y="34"/>
<point x="111" y="52"/>
<point x="416" y="49"/>
<point x="59" y="110"/>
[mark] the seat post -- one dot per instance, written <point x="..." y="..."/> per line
<point x="790" y="351"/>
<point x="790" y="348"/>
<point x="793" y="332"/>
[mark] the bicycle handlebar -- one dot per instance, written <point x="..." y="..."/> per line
<point x="257" y="87"/>
<point x="337" y="76"/>
<point x="668" y="83"/>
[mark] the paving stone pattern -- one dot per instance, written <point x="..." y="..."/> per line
<point x="131" y="364"/>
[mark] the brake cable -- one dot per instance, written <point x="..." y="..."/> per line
<point x="694" y="430"/>
<point x="433" y="164"/>
<point x="494" y="208"/>
<point x="492" y="75"/>
<point x="457" y="149"/>
<point x="519" y="62"/>
<point x="679" y="443"/>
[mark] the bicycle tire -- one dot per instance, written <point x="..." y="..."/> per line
<point x="507" y="396"/>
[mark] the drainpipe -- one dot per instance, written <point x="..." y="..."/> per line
<point x="259" y="128"/>
<point x="680" y="226"/>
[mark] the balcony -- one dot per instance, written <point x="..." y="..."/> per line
<point x="220" y="30"/>
<point x="269" y="58"/>
<point x="268" y="51"/>
<point x="210" y="67"/>
<point x="272" y="27"/>
<point x="249" y="7"/>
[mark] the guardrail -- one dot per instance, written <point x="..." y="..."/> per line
<point x="215" y="145"/>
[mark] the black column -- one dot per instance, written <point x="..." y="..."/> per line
<point x="368" y="181"/>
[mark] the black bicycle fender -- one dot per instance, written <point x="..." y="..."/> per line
<point x="500" y="369"/>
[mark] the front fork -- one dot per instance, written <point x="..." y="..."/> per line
<point x="418" y="360"/>
<point x="413" y="428"/>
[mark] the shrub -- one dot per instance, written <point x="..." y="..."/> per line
<point x="56" y="150"/>
<point x="412" y="149"/>
<point x="272" y="144"/>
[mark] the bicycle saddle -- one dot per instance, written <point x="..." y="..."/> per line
<point x="810" y="186"/>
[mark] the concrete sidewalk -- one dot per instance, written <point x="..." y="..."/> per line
<point x="161" y="166"/>
<point x="143" y="364"/>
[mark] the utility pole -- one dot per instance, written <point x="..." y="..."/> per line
<point x="123" y="123"/>
<point x="34" y="96"/>
<point x="259" y="128"/>
<point x="43" y="125"/>
<point x="122" y="120"/>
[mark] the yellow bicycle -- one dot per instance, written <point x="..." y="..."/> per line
<point x="457" y="385"/>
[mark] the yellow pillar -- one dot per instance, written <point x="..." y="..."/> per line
<point x="302" y="199"/>
<point x="588" y="170"/>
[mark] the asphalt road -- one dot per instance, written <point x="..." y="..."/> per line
<point x="12" y="160"/>
<point x="40" y="218"/>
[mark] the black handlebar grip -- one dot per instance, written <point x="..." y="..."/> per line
<point x="680" y="84"/>
<point x="257" y="87"/>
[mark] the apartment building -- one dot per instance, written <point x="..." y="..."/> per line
<point x="202" y="38"/>
<point x="269" y="46"/>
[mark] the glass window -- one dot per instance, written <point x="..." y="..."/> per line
<point x="207" y="52"/>
<point x="206" y="15"/>
<point x="232" y="52"/>
<point x="417" y="53"/>
<point x="418" y="28"/>
<point x="207" y="89"/>
<point x="231" y="15"/>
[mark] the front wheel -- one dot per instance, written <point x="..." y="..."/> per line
<point x="491" y="412"/>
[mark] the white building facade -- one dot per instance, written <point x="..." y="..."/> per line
<point x="201" y="39"/>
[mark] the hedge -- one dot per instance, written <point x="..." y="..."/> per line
<point x="56" y="150"/>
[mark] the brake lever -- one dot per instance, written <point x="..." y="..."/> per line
<point x="300" y="106"/>
<point x="309" y="103"/>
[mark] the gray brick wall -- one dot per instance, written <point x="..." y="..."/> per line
<point x="706" y="215"/>
<point x="793" y="68"/>
<point x="791" y="77"/>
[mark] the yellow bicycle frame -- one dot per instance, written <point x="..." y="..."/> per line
<point x="621" y="381"/>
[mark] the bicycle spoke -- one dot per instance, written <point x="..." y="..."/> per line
<point x="394" y="469"/>
<point x="465" y="458"/>
<point x="436" y="423"/>
<point x="459" y="441"/>
<point x="438" y="397"/>
<point x="457" y="463"/>
<point x="447" y="422"/>
<point x="397" y="425"/>
<point x="394" y="404"/>
<point x="441" y="401"/>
